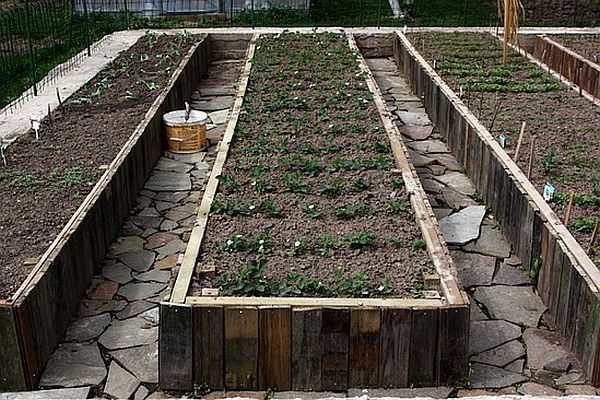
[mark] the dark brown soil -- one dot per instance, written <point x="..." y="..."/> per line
<point x="566" y="126"/>
<point x="309" y="141"/>
<point x="46" y="180"/>
<point x="586" y="45"/>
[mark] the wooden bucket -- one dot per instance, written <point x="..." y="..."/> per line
<point x="186" y="135"/>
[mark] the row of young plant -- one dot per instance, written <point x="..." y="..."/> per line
<point x="560" y="140"/>
<point x="309" y="182"/>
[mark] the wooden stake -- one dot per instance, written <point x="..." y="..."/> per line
<point x="520" y="141"/>
<point x="58" y="97"/>
<point x="569" y="209"/>
<point x="531" y="148"/>
<point x="594" y="236"/>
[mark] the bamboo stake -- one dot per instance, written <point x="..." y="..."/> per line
<point x="569" y="209"/>
<point x="520" y="141"/>
<point x="594" y="236"/>
<point x="531" y="148"/>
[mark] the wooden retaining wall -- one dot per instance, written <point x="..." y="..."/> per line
<point x="35" y="319"/>
<point x="311" y="344"/>
<point x="577" y="69"/>
<point x="567" y="279"/>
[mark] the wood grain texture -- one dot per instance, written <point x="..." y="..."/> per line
<point x="424" y="362"/>
<point x="365" y="325"/>
<point x="12" y="375"/>
<point x="307" y="349"/>
<point x="175" y="347"/>
<point x="208" y="347"/>
<point x="396" y="326"/>
<point x="241" y="348"/>
<point x="453" y="345"/>
<point x="335" y="332"/>
<point x="275" y="348"/>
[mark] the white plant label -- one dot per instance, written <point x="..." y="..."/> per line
<point x="503" y="139"/>
<point x="549" y="191"/>
<point x="35" y="125"/>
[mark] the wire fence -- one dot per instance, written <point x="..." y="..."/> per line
<point x="38" y="35"/>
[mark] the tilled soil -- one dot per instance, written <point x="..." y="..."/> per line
<point x="586" y="45"/>
<point x="566" y="126"/>
<point x="46" y="180"/>
<point x="308" y="143"/>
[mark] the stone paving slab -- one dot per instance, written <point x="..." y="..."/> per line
<point x="517" y="304"/>
<point x="74" y="364"/>
<point x="74" y="393"/>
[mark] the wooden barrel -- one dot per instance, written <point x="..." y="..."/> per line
<point x="186" y="135"/>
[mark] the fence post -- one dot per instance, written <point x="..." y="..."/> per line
<point x="31" y="49"/>
<point x="126" y="15"/>
<point x="253" y="20"/>
<point x="379" y="15"/>
<point x="87" y="27"/>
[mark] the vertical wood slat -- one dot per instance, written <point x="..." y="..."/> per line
<point x="453" y="344"/>
<point x="365" y="326"/>
<point x="208" y="346"/>
<point x="306" y="349"/>
<point x="396" y="327"/>
<point x="275" y="348"/>
<point x="241" y="348"/>
<point x="335" y="332"/>
<point x="175" y="354"/>
<point x="12" y="378"/>
<point x="424" y="361"/>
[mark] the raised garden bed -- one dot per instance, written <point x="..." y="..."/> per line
<point x="319" y="239"/>
<point x="66" y="194"/>
<point x="565" y="125"/>
<point x="567" y="279"/>
<point x="587" y="46"/>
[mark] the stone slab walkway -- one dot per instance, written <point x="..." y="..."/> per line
<point x="512" y="351"/>
<point x="18" y="122"/>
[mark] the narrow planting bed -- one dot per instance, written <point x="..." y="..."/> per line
<point x="309" y="203"/>
<point x="46" y="180"/>
<point x="587" y="46"/>
<point x="566" y="127"/>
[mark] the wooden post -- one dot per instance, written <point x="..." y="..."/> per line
<point x="569" y="208"/>
<point x="594" y="236"/>
<point x="531" y="156"/>
<point x="175" y="353"/>
<point x="520" y="141"/>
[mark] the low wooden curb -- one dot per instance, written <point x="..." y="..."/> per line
<point x="245" y="343"/>
<point x="34" y="320"/>
<point x="568" y="280"/>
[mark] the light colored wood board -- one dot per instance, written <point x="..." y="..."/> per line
<point x="584" y="264"/>
<point x="424" y="216"/>
<point x="313" y="302"/>
<point x="365" y="327"/>
<point x="275" y="348"/>
<point x="188" y="265"/>
<point x="241" y="348"/>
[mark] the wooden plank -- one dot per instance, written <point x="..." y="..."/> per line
<point x="209" y="357"/>
<point x="175" y="347"/>
<point x="396" y="326"/>
<point x="335" y="333"/>
<point x="557" y="266"/>
<point x="312" y="302"/>
<point x="275" y="348"/>
<point x="365" y="327"/>
<point x="241" y="348"/>
<point x="453" y="345"/>
<point x="307" y="349"/>
<point x="184" y="277"/>
<point x="424" y="362"/>
<point x="12" y="378"/>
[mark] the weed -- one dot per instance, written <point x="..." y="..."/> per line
<point x="399" y="206"/>
<point x="295" y="183"/>
<point x="312" y="210"/>
<point x="361" y="239"/>
<point x="334" y="187"/>
<point x="584" y="225"/>
<point x="550" y="162"/>
<point x="397" y="184"/>
<point x="419" y="244"/>
<point x="351" y="211"/>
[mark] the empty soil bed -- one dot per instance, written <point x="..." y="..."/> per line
<point x="308" y="203"/>
<point x="587" y="46"/>
<point x="46" y="180"/>
<point x="566" y="126"/>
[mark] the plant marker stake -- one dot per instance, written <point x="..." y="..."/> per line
<point x="35" y="125"/>
<point x="518" y="149"/>
<point x="569" y="209"/>
<point x="58" y="97"/>
<point x="49" y="114"/>
<point x="594" y="236"/>
<point x="2" y="146"/>
<point x="531" y="148"/>
<point x="404" y="29"/>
